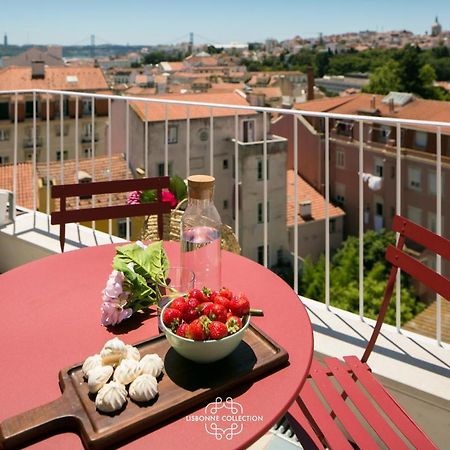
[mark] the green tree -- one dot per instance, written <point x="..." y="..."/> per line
<point x="344" y="276"/>
<point x="385" y="79"/>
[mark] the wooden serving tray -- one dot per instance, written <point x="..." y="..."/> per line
<point x="183" y="386"/>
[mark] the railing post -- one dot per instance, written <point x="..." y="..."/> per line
<point x="327" y="212"/>
<point x="361" y="220"/>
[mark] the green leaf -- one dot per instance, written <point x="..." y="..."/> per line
<point x="178" y="188"/>
<point x="148" y="196"/>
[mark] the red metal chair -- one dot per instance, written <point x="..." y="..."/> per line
<point x="313" y="417"/>
<point x="87" y="190"/>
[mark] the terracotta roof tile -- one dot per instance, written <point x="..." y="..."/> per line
<point x="156" y="112"/>
<point x="24" y="191"/>
<point x="88" y="79"/>
<point x="307" y="192"/>
<point x="416" y="109"/>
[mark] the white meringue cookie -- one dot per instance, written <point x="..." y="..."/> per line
<point x="127" y="371"/>
<point x="133" y="353"/>
<point x="151" y="364"/>
<point x="111" y="397"/>
<point x="143" y="388"/>
<point x="113" y="352"/>
<point x="98" y="376"/>
<point x="90" y="363"/>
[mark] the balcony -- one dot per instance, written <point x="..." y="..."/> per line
<point x="30" y="142"/>
<point x="210" y="139"/>
<point x="89" y="137"/>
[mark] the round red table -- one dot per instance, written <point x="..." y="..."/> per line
<point x="50" y="319"/>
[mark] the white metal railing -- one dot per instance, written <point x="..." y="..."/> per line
<point x="234" y="137"/>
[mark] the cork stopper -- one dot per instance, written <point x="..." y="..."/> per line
<point x="201" y="186"/>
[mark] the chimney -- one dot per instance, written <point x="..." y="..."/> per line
<point x="372" y="102"/>
<point x="310" y="78"/>
<point x="37" y="70"/>
<point x="305" y="209"/>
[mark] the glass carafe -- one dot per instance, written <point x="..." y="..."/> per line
<point x="200" y="233"/>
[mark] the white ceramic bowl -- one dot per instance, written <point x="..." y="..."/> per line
<point x="204" y="351"/>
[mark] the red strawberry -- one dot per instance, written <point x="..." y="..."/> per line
<point x="218" y="312"/>
<point x="183" y="330"/>
<point x="217" y="330"/>
<point x="221" y="300"/>
<point x="181" y="304"/>
<point x="212" y="295"/>
<point x="198" y="328"/>
<point x="198" y="294"/>
<point x="192" y="302"/>
<point x="239" y="305"/>
<point x="234" y="324"/>
<point x="191" y="314"/>
<point x="171" y="318"/>
<point x="205" y="308"/>
<point x="225" y="292"/>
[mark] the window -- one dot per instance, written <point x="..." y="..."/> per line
<point x="173" y="134"/>
<point x="64" y="155"/>
<point x="332" y="225"/>
<point x="378" y="209"/>
<point x="421" y="139"/>
<point x="260" y="169"/>
<point x="87" y="106"/>
<point x="432" y="182"/>
<point x="344" y="128"/>
<point x="379" y="165"/>
<point x="4" y="159"/>
<point x="248" y="130"/>
<point x="87" y="152"/>
<point x="340" y="194"/>
<point x="225" y="204"/>
<point x="4" y="111"/>
<point x="160" y="169"/>
<point x="225" y="164"/>
<point x="4" y="134"/>
<point x="29" y="109"/>
<point x="414" y="178"/>
<point x="88" y="129"/>
<point x="415" y="214"/>
<point x="260" y="212"/>
<point x="122" y="228"/>
<point x="340" y="159"/>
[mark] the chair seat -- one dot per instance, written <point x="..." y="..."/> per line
<point x="368" y="414"/>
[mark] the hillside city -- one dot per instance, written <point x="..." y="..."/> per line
<point x="384" y="74"/>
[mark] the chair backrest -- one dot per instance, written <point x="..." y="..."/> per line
<point x="87" y="190"/>
<point x="402" y="260"/>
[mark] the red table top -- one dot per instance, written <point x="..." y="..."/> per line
<point x="51" y="320"/>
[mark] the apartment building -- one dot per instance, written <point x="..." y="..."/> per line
<point x="212" y="131"/>
<point x="64" y="137"/>
<point x="418" y="157"/>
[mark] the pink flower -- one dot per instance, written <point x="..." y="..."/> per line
<point x="114" y="288"/>
<point x="168" y="197"/>
<point x="114" y="300"/>
<point x="113" y="313"/>
<point x="134" y="198"/>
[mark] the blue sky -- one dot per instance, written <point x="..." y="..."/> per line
<point x="168" y="22"/>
